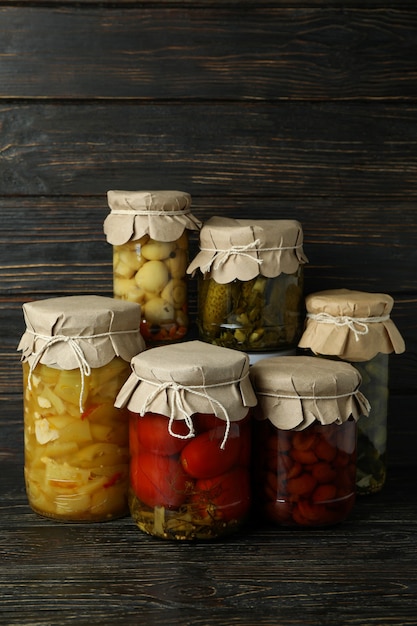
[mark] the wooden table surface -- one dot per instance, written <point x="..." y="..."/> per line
<point x="361" y="572"/>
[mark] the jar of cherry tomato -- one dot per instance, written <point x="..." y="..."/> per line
<point x="189" y="440"/>
<point x="149" y="234"/>
<point x="76" y="355"/>
<point x="305" y="439"/>
<point x="250" y="294"/>
<point x="356" y="327"/>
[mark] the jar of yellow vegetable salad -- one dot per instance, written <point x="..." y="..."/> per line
<point x="250" y="283"/>
<point x="149" y="234"/>
<point x="76" y="354"/>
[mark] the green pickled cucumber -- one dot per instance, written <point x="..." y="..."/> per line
<point x="216" y="306"/>
<point x="250" y="315"/>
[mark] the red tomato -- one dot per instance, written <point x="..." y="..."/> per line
<point x="154" y="436"/>
<point x="159" y="480"/>
<point x="227" y="495"/>
<point x="203" y="457"/>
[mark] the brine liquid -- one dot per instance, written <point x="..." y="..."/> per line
<point x="76" y="464"/>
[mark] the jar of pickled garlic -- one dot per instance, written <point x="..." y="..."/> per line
<point x="356" y="327"/>
<point x="250" y="294"/>
<point x="149" y="234"/>
<point x="189" y="440"/>
<point x="304" y="450"/>
<point x="76" y="353"/>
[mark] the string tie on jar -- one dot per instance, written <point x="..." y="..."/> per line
<point x="73" y="343"/>
<point x="222" y="255"/>
<point x="358" y="325"/>
<point x="178" y="403"/>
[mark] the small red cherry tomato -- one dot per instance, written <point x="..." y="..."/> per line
<point x="159" y="480"/>
<point x="154" y="436"/>
<point x="227" y="495"/>
<point x="203" y="456"/>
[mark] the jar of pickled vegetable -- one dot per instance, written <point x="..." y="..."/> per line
<point x="189" y="440"/>
<point x="76" y="357"/>
<point x="304" y="455"/>
<point x="149" y="234"/>
<point x="355" y="326"/>
<point x="250" y="294"/>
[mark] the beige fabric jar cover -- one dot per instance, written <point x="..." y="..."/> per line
<point x="242" y="249"/>
<point x="295" y="391"/>
<point x="163" y="215"/>
<point x="80" y="332"/>
<point x="181" y="379"/>
<point x="353" y="325"/>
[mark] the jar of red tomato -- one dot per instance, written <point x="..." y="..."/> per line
<point x="189" y="440"/>
<point x="305" y="439"/>
<point x="149" y="234"/>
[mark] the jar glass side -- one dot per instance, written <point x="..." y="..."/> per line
<point x="187" y="489"/>
<point x="76" y="463"/>
<point x="153" y="274"/>
<point x="372" y="430"/>
<point x="256" y="315"/>
<point x="307" y="477"/>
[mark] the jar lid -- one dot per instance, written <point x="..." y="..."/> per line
<point x="295" y="391"/>
<point x="234" y="248"/>
<point x="163" y="215"/>
<point x="80" y="331"/>
<point x="181" y="379"/>
<point x="353" y="325"/>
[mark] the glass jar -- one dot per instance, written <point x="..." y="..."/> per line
<point x="190" y="438"/>
<point x="148" y="231"/>
<point x="355" y="326"/>
<point x="305" y="439"/>
<point x="250" y="294"/>
<point x="372" y="432"/>
<point x="76" y="441"/>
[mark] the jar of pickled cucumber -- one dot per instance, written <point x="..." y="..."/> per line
<point x="250" y="294"/>
<point x="76" y="353"/>
<point x="149" y="234"/>
<point x="189" y="440"/>
<point x="304" y="449"/>
<point x="356" y="327"/>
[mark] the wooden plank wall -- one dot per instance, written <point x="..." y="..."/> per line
<point x="273" y="109"/>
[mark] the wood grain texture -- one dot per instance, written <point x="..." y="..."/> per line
<point x="274" y="109"/>
<point x="279" y="150"/>
<point x="208" y="52"/>
<point x="112" y="573"/>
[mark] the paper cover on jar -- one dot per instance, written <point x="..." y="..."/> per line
<point x="72" y="330"/>
<point x="295" y="391"/>
<point x="242" y="249"/>
<point x="163" y="215"/>
<point x="353" y="325"/>
<point x="181" y="379"/>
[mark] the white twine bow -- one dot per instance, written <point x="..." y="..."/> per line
<point x="73" y="343"/>
<point x="358" y="325"/>
<point x="178" y="404"/>
<point x="222" y="255"/>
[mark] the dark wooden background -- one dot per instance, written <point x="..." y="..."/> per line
<point x="270" y="109"/>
